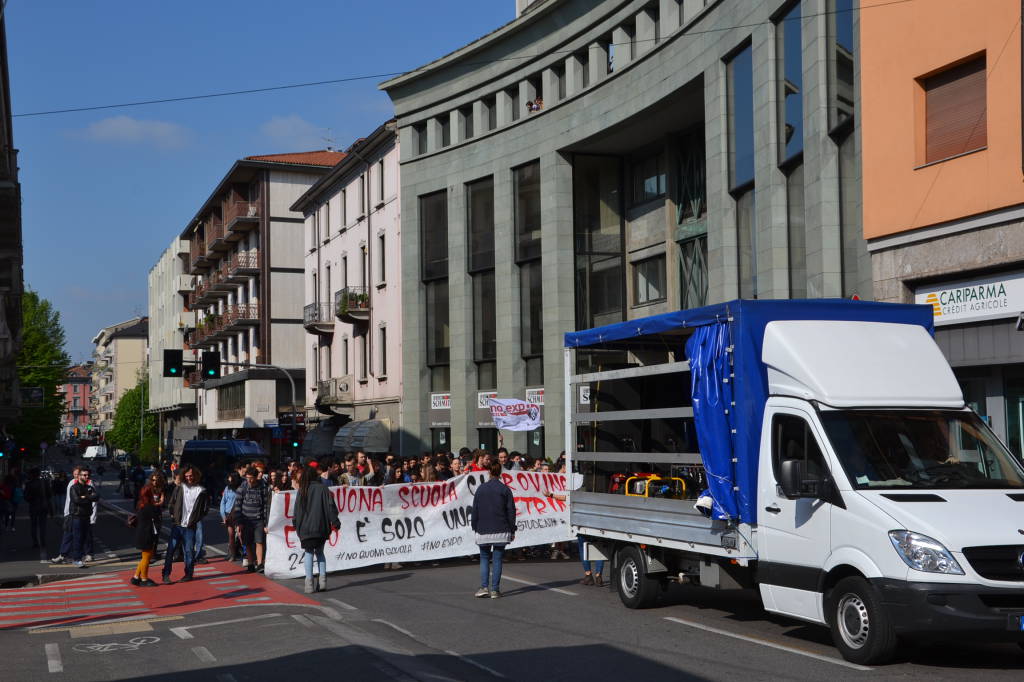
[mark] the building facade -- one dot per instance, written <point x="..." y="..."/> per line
<point x="169" y="321"/>
<point x="353" y="288"/>
<point x="943" y="206"/>
<point x="592" y="162"/>
<point x="76" y="392"/>
<point x="11" y="252"/>
<point x="246" y="261"/>
<point x="119" y="359"/>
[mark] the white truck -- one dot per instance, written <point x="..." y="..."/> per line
<point x="829" y="445"/>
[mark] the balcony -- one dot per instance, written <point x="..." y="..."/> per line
<point x="240" y="217"/>
<point x="186" y="320"/>
<point x="215" y="241"/>
<point x="317" y="318"/>
<point x="198" y="253"/>
<point x="352" y="304"/>
<point x="241" y="315"/>
<point x="243" y="265"/>
<point x="220" y="281"/>
<point x="184" y="283"/>
<point x="335" y="391"/>
<point x="193" y="380"/>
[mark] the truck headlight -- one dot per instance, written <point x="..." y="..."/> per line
<point x="923" y="553"/>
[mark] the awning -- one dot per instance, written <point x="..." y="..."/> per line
<point x="368" y="435"/>
<point x="320" y="440"/>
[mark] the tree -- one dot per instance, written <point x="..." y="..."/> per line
<point x="129" y="411"/>
<point x="42" y="362"/>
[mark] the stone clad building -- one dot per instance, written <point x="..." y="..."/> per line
<point x="591" y="162"/>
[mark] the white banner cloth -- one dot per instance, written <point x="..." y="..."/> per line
<point x="512" y="414"/>
<point x="415" y="522"/>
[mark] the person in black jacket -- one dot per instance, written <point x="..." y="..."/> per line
<point x="82" y="498"/>
<point x="189" y="503"/>
<point x="316" y="515"/>
<point x="494" y="521"/>
<point x="147" y="529"/>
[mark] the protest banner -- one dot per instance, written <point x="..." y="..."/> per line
<point x="415" y="521"/>
<point x="511" y="414"/>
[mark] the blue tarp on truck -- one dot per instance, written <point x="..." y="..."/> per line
<point x="729" y="383"/>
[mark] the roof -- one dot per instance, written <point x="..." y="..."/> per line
<point x="138" y="330"/>
<point x="319" y="157"/>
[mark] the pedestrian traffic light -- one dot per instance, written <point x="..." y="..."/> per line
<point x="211" y="365"/>
<point x="173" y="362"/>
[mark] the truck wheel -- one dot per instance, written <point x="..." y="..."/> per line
<point x="861" y="627"/>
<point x="636" y="589"/>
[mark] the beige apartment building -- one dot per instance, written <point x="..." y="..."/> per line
<point x="119" y="358"/>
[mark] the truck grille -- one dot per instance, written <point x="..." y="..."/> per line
<point x="997" y="562"/>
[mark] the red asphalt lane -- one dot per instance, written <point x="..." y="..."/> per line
<point x="108" y="596"/>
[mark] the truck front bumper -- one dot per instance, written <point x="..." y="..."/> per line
<point x="952" y="610"/>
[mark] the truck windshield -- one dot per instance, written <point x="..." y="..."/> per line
<point x="920" y="449"/>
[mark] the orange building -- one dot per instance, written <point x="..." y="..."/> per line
<point x="943" y="183"/>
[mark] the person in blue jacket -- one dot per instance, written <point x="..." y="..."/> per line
<point x="227" y="503"/>
<point x="494" y="522"/>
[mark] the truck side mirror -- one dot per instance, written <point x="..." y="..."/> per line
<point x="791" y="478"/>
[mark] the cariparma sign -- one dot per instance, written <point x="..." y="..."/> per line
<point x="988" y="298"/>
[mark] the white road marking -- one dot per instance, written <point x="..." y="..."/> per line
<point x="53" y="658"/>
<point x="302" y="619"/>
<point x="769" y="644"/>
<point x="467" y="659"/>
<point x="203" y="654"/>
<point x="543" y="587"/>
<point x="395" y="627"/>
<point x="347" y="607"/>
<point x="183" y="632"/>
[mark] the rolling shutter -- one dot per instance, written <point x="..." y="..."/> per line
<point x="956" y="111"/>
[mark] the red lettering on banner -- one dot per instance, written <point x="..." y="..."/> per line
<point x="335" y="536"/>
<point x="507" y="480"/>
<point x="288" y="530"/>
<point x="287" y="505"/>
<point x="554" y="481"/>
<point x="530" y="506"/>
<point x="427" y="494"/>
<point x="359" y="499"/>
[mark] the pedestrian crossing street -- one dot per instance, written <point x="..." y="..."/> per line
<point x="110" y="596"/>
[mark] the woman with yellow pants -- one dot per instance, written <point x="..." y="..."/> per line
<point x="148" y="529"/>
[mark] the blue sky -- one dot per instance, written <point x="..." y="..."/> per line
<point x="105" y="192"/>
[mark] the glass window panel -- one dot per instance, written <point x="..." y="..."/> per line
<point x="446" y="129"/>
<point x="797" y="233"/>
<point x="649" y="178"/>
<point x="531" y="314"/>
<point x="842" y="58"/>
<point x="526" y="186"/>
<point x="487" y="375"/>
<point x="484" y="317"/>
<point x="434" y="234"/>
<point x="741" y="118"/>
<point x="790" y="79"/>
<point x="649" y="280"/>
<point x="480" y="219"/>
<point x="438" y="332"/>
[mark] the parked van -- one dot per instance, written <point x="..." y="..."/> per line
<point x="819" y="451"/>
<point x="95" y="452"/>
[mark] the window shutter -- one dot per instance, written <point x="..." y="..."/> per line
<point x="956" y="111"/>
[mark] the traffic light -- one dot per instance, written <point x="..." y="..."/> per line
<point x="211" y="365"/>
<point x="173" y="362"/>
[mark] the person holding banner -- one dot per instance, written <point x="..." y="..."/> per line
<point x="494" y="522"/>
<point x="316" y="516"/>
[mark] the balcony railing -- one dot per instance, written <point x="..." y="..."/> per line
<point x="352" y="304"/>
<point x="241" y="215"/>
<point x="243" y="264"/>
<point x="198" y="252"/>
<point x="215" y="235"/>
<point x="241" y="314"/>
<point x="318" y="318"/>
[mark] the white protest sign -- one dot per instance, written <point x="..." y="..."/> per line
<point x="511" y="414"/>
<point x="415" y="521"/>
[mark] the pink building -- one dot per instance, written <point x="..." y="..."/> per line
<point x="353" y="312"/>
<point x="77" y="392"/>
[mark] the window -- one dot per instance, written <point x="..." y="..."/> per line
<point x="955" y="111"/>
<point x="466" y="118"/>
<point x="380" y="181"/>
<point x="514" y="101"/>
<point x="75" y="403"/>
<point x="790" y="81"/>
<point x="649" y="178"/>
<point x="327" y="283"/>
<point x="558" y="72"/>
<point x="344" y="271"/>
<point x="490" y="117"/>
<point x="584" y="60"/>
<point x="344" y="208"/>
<point x="792" y="439"/>
<point x="419" y="134"/>
<point x="531" y="317"/>
<point x="434" y="235"/>
<point x="362" y="343"/>
<point x="840" y="68"/>
<point x="526" y="187"/>
<point x="485" y="345"/>
<point x="364" y="261"/>
<point x="362" y="195"/>
<point x="446" y="129"/>
<point x="739" y="72"/>
<point x="344" y="357"/>
<point x="598" y="240"/>
<point x="480" y="222"/>
<point x="383" y="345"/>
<point x="649" y="280"/>
<point x="436" y="316"/>
<point x="381" y="259"/>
